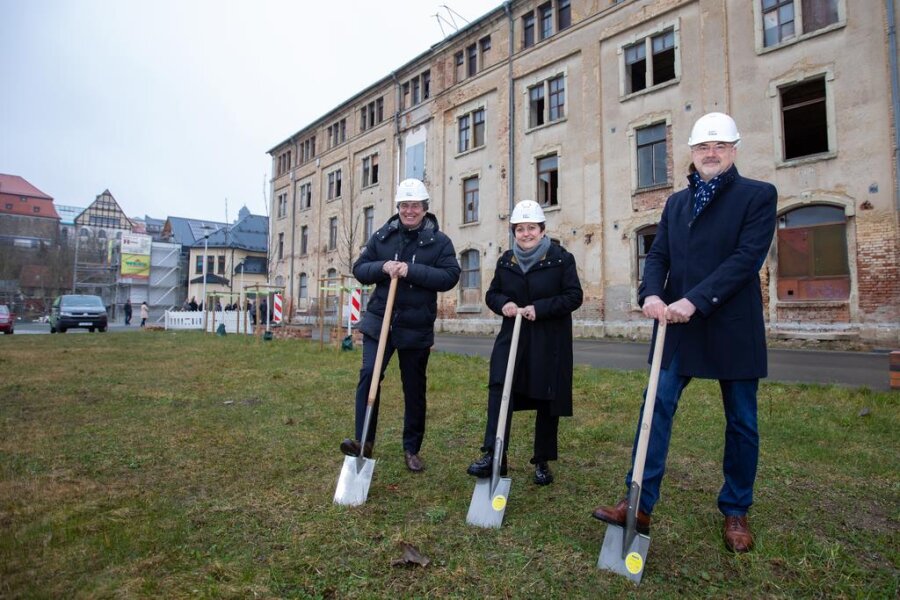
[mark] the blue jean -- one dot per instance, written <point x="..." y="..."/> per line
<point x="741" y="440"/>
<point x="413" y="364"/>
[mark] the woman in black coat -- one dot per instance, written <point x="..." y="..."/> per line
<point x="539" y="280"/>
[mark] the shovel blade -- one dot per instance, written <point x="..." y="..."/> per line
<point x="488" y="507"/>
<point x="632" y="566"/>
<point x="353" y="482"/>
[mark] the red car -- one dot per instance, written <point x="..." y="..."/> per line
<point x="7" y="320"/>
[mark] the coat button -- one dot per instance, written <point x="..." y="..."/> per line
<point x="715" y="300"/>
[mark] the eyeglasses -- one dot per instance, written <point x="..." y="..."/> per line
<point x="719" y="148"/>
<point x="409" y="205"/>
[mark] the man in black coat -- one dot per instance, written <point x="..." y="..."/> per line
<point x="702" y="276"/>
<point x="409" y="247"/>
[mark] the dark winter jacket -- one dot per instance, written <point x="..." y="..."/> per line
<point x="713" y="260"/>
<point x="432" y="268"/>
<point x="543" y="370"/>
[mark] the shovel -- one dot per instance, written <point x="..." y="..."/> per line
<point x="488" y="503"/>
<point x="356" y="474"/>
<point x="624" y="550"/>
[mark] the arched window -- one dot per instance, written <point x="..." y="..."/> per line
<point x="812" y="254"/>
<point x="84" y="233"/>
<point x="470" y="278"/>
<point x="101" y="235"/>
<point x="644" y="240"/>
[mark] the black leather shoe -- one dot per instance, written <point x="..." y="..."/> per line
<point x="351" y="448"/>
<point x="542" y="474"/>
<point x="483" y="466"/>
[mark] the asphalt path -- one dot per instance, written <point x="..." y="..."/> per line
<point x="853" y="369"/>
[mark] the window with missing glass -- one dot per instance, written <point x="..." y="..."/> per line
<point x="812" y="254"/>
<point x="540" y="110"/>
<point x="332" y="233"/>
<point x="644" y="238"/>
<point x="785" y="20"/>
<point x="304" y="240"/>
<point x="470" y="199"/>
<point x="804" y="118"/>
<point x="548" y="180"/>
<point x="641" y="73"/>
<point x="651" y="156"/>
<point x="368" y="222"/>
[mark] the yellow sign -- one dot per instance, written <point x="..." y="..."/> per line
<point x="499" y="502"/>
<point x="136" y="266"/>
<point x="634" y="563"/>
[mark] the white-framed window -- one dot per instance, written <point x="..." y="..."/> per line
<point x="651" y="155"/>
<point x="370" y="170"/>
<point x="547" y="101"/>
<point x="471" y="187"/>
<point x="470" y="129"/>
<point x="547" y="169"/>
<point x="780" y="22"/>
<point x="650" y="61"/>
<point x="334" y="184"/>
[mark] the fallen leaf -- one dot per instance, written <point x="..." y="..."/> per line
<point x="864" y="413"/>
<point x="411" y="556"/>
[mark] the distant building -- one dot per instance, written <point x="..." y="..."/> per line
<point x="586" y="107"/>
<point x="27" y="215"/>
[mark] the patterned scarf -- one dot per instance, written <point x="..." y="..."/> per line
<point x="705" y="191"/>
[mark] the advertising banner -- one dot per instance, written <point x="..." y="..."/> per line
<point x="136" y="255"/>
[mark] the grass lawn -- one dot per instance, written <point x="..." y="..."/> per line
<point x="161" y="464"/>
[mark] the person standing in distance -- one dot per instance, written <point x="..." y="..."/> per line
<point x="702" y="276"/>
<point x="539" y="280"/>
<point x="409" y="247"/>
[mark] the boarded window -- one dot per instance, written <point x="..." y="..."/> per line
<point x="812" y="254"/>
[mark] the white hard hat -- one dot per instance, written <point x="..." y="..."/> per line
<point x="714" y="127"/>
<point x="527" y="211"/>
<point x="411" y="190"/>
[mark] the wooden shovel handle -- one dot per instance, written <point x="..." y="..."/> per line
<point x="508" y="380"/>
<point x="382" y="341"/>
<point x="640" y="456"/>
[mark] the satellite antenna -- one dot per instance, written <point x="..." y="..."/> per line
<point x="450" y="19"/>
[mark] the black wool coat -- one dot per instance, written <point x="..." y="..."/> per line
<point x="432" y="268"/>
<point x="543" y="371"/>
<point x="713" y="260"/>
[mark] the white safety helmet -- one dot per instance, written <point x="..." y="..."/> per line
<point x="411" y="190"/>
<point x="714" y="127"/>
<point x="527" y="211"/>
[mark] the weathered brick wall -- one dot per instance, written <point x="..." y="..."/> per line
<point x="805" y="312"/>
<point x="878" y="271"/>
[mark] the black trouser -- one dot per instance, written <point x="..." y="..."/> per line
<point x="546" y="427"/>
<point x="413" y="364"/>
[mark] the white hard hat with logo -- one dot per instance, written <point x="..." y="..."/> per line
<point x="411" y="190"/>
<point x="714" y="127"/>
<point x="527" y="211"/>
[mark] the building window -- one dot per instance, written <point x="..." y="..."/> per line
<point x="415" y="162"/>
<point x="651" y="156"/>
<point x="528" y="30"/>
<point x="305" y="194"/>
<point x="548" y="180"/>
<point x="804" y="118"/>
<point x="371" y="114"/>
<point x="485" y="45"/>
<point x="472" y="60"/>
<point x="471" y="130"/>
<point x="812" y="254"/>
<point x="304" y="240"/>
<point x="307" y="149"/>
<point x="470" y="277"/>
<point x="641" y="73"/>
<point x="539" y="110"/>
<point x="459" y="60"/>
<point x="370" y="170"/>
<point x="416" y="90"/>
<point x="563" y="14"/>
<point x="331" y="290"/>
<point x="783" y="20"/>
<point x="478" y="128"/>
<point x="284" y="162"/>
<point x="210" y="264"/>
<point x="282" y="205"/>
<point x="644" y="239"/>
<point x="198" y="265"/>
<point x="337" y="133"/>
<point x="303" y="288"/>
<point x="221" y="261"/>
<point x="463" y="144"/>
<point x="545" y="13"/>
<point x="368" y="222"/>
<point x="9" y="206"/>
<point x="280" y="248"/>
<point x="334" y="184"/>
<point x="332" y="233"/>
<point x="470" y="199"/>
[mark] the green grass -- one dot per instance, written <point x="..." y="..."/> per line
<point x="186" y="465"/>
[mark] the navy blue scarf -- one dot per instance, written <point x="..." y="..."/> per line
<point x="705" y="191"/>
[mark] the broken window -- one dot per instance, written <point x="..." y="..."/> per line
<point x="470" y="199"/>
<point x="804" y="119"/>
<point x="782" y="22"/>
<point x="644" y="239"/>
<point x="548" y="180"/>
<point x="639" y="74"/>
<point x="812" y="254"/>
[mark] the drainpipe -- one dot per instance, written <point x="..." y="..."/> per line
<point x="895" y="94"/>
<point x="511" y="170"/>
<point x="290" y="293"/>
<point x="397" y="98"/>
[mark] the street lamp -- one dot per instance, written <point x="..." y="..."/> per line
<point x="205" y="249"/>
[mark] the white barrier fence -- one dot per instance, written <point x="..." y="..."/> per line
<point x="179" y="319"/>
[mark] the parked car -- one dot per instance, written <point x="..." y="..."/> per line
<point x="7" y="320"/>
<point x="77" y="311"/>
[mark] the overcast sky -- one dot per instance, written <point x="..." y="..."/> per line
<point x="172" y="104"/>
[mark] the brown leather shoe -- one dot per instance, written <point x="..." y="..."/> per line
<point x="413" y="462"/>
<point x="351" y="448"/>
<point x="617" y="514"/>
<point x="737" y="534"/>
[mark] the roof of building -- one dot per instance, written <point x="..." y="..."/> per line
<point x="251" y="233"/>
<point x="67" y="214"/>
<point x="23" y="199"/>
<point x="187" y="231"/>
<point x="211" y="278"/>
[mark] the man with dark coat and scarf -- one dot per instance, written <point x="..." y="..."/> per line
<point x="409" y="247"/>
<point x="702" y="276"/>
<point x="539" y="280"/>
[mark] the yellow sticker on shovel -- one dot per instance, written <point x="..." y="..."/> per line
<point x="634" y="563"/>
<point x="499" y="502"/>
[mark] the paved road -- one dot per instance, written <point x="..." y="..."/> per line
<point x="853" y="369"/>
